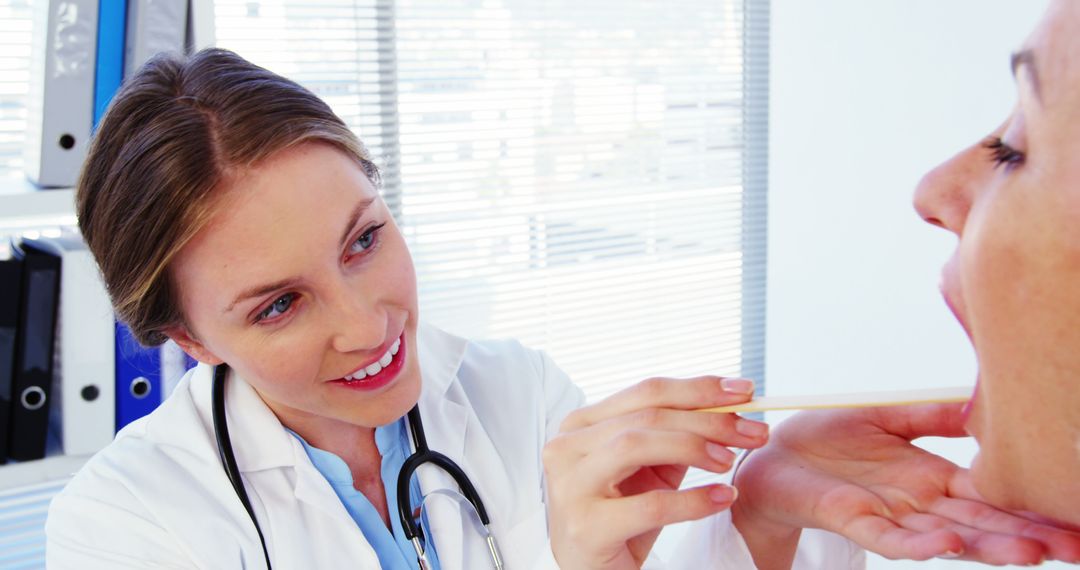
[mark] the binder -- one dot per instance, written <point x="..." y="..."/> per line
<point x="109" y="71"/>
<point x="61" y="92"/>
<point x="83" y="406"/>
<point x="154" y="26"/>
<point x="138" y="377"/>
<point x="32" y="382"/>
<point x="10" y="286"/>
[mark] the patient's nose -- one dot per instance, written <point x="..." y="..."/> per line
<point x="944" y="195"/>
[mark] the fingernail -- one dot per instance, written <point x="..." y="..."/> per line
<point x="719" y="453"/>
<point x="750" y="428"/>
<point x="723" y="494"/>
<point x="952" y="554"/>
<point x="737" y="385"/>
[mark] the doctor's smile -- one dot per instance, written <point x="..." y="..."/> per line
<point x="379" y="372"/>
<point x="328" y="425"/>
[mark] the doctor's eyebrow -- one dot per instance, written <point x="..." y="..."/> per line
<point x="356" y="213"/>
<point x="1026" y="58"/>
<point x="260" y="290"/>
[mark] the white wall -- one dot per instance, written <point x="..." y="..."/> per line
<point x="866" y="96"/>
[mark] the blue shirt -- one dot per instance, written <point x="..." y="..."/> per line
<point x="394" y="552"/>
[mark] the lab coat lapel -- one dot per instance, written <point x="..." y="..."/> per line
<point x="261" y="444"/>
<point x="445" y="517"/>
<point x="445" y="422"/>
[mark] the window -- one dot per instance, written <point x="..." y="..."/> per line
<point x="586" y="177"/>
<point x="15" y="24"/>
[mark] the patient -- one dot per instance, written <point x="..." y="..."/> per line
<point x="1013" y="199"/>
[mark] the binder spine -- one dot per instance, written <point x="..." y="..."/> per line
<point x="32" y="384"/>
<point x="62" y="84"/>
<point x="109" y="71"/>
<point x="10" y="287"/>
<point x="138" y="378"/>
<point x="86" y="375"/>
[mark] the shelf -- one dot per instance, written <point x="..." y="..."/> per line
<point x="23" y="206"/>
<point x="39" y="472"/>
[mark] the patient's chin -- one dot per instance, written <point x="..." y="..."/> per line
<point x="995" y="483"/>
<point x="1007" y="485"/>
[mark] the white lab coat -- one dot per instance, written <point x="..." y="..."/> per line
<point x="157" y="497"/>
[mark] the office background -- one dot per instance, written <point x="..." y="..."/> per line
<point x="592" y="181"/>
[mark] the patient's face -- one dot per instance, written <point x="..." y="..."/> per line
<point x="1014" y="280"/>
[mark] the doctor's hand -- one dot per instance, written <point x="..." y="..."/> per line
<point x="614" y="470"/>
<point x="856" y="473"/>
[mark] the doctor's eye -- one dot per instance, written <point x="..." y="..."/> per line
<point x="1003" y="154"/>
<point x="367" y="240"/>
<point x="279" y="307"/>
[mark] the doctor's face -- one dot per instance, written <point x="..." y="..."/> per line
<point x="1014" y="281"/>
<point x="302" y="283"/>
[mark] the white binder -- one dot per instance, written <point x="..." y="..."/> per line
<point x="60" y="106"/>
<point x="84" y="376"/>
<point x="154" y="26"/>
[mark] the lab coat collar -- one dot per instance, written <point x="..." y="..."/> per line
<point x="261" y="442"/>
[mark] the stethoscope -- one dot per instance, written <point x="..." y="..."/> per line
<point x="422" y="455"/>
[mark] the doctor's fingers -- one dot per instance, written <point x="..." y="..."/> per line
<point x="633" y="516"/>
<point x="688" y="394"/>
<point x="601" y="472"/>
<point x="726" y="429"/>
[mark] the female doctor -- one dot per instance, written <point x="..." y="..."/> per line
<point x="230" y="210"/>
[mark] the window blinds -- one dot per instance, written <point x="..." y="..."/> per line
<point x="588" y="178"/>
<point x="15" y="24"/>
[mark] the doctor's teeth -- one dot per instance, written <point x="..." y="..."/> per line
<point x="377" y="366"/>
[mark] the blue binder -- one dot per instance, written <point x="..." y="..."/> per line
<point x="138" y="378"/>
<point x="109" y="72"/>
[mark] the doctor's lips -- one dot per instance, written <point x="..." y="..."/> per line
<point x="379" y="372"/>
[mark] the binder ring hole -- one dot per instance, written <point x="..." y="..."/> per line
<point x="140" y="387"/>
<point x="33" y="398"/>
<point x="67" y="142"/>
<point x="90" y="392"/>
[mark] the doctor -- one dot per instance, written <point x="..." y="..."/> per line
<point x="230" y="210"/>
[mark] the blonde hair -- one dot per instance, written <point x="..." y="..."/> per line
<point x="173" y="134"/>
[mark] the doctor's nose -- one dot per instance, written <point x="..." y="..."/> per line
<point x="357" y="322"/>
<point x="944" y="195"/>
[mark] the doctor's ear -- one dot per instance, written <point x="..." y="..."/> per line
<point x="191" y="345"/>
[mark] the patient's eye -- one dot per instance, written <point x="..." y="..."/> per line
<point x="1001" y="154"/>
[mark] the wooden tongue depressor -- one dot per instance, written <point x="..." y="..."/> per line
<point x="855" y="400"/>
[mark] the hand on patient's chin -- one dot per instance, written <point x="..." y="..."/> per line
<point x="856" y="473"/>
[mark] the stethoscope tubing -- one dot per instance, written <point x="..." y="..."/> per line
<point x="422" y="454"/>
<point x="225" y="451"/>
